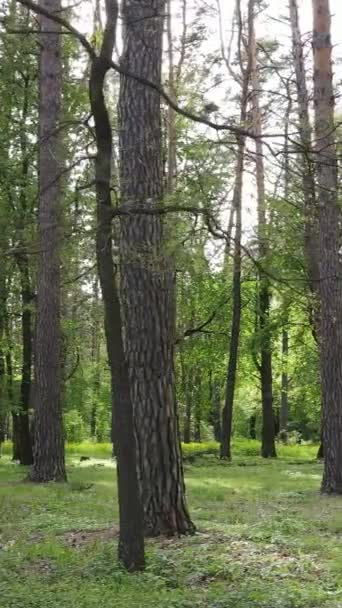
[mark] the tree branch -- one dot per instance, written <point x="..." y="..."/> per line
<point x="144" y="81"/>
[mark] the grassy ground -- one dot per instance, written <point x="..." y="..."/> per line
<point x="266" y="538"/>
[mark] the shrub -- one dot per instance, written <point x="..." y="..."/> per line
<point x="74" y="426"/>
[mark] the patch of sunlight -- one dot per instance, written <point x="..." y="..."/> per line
<point x="300" y="474"/>
<point x="93" y="462"/>
<point x="228" y="483"/>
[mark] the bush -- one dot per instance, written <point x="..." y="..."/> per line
<point x="192" y="450"/>
<point x="74" y="426"/>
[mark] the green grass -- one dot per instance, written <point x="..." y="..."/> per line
<point x="266" y="538"/>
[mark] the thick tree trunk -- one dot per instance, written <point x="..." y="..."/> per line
<point x="49" y="461"/>
<point x="329" y="219"/>
<point x="131" y="540"/>
<point x="147" y="277"/>
<point x="264" y="296"/>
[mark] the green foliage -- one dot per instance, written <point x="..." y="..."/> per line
<point x="75" y="429"/>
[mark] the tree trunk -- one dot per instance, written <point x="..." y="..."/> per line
<point x="264" y="296"/>
<point x="215" y="395"/>
<point x="308" y="165"/>
<point x="198" y="412"/>
<point x="147" y="277"/>
<point x="227" y="413"/>
<point x="131" y="540"/>
<point x="329" y="217"/>
<point x="188" y="412"/>
<point x="311" y="227"/>
<point x="95" y="358"/>
<point x="252" y="426"/>
<point x="284" y="401"/>
<point x="23" y="433"/>
<point x="49" y="463"/>
<point x="171" y="126"/>
<point x="9" y="376"/>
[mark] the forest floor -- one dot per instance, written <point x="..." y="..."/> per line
<point x="266" y="538"/>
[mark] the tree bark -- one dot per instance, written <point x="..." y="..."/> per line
<point x="147" y="281"/>
<point x="49" y="462"/>
<point x="131" y="540"/>
<point x="329" y="221"/>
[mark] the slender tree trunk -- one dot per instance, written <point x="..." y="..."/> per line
<point x="311" y="226"/>
<point x="308" y="167"/>
<point x="22" y="424"/>
<point x="330" y="288"/>
<point x="23" y="433"/>
<point x="10" y="392"/>
<point x="198" y="412"/>
<point x="147" y="281"/>
<point x="188" y="413"/>
<point x="131" y="541"/>
<point x="264" y="295"/>
<point x="227" y="413"/>
<point x="95" y="358"/>
<point x="171" y="126"/>
<point x="252" y="426"/>
<point x="215" y="398"/>
<point x="49" y="463"/>
<point x="284" y="401"/>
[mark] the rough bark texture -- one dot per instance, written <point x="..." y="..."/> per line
<point x="264" y="296"/>
<point x="330" y="287"/>
<point x="147" y="281"/>
<point x="131" y="540"/>
<point x="49" y="461"/>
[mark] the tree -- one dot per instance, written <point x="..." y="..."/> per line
<point x="329" y="249"/>
<point x="49" y="464"/>
<point x="264" y="289"/>
<point x="131" y="541"/>
<point x="308" y="175"/>
<point x="227" y="413"/>
<point x="147" y="276"/>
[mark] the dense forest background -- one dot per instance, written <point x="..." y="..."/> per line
<point x="170" y="239"/>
